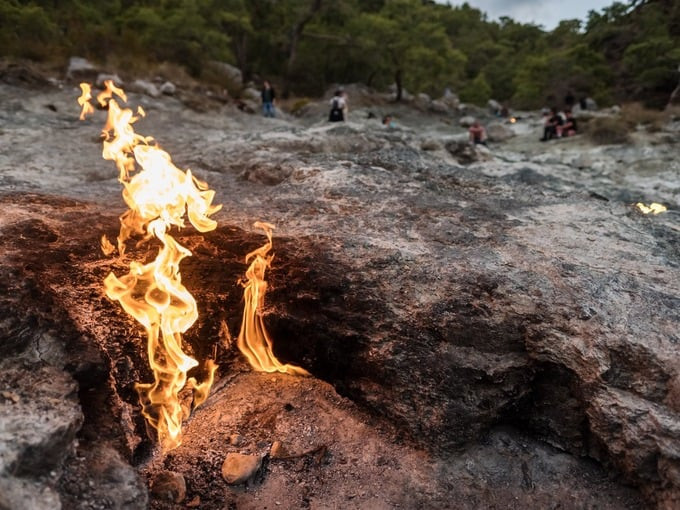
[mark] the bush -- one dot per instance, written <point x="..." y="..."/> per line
<point x="607" y="130"/>
<point x="634" y="114"/>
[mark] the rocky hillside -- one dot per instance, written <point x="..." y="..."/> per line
<point x="486" y="328"/>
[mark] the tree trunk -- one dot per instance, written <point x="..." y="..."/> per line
<point x="295" y="34"/>
<point x="397" y="81"/>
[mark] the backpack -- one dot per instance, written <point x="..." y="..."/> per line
<point x="336" y="114"/>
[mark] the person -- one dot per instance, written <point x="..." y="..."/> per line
<point x="388" y="122"/>
<point x="569" y="127"/>
<point x="551" y="123"/>
<point x="569" y="100"/>
<point x="268" y="99"/>
<point x="338" y="107"/>
<point x="477" y="133"/>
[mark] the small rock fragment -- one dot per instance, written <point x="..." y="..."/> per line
<point x="278" y="451"/>
<point x="239" y="468"/>
<point x="236" y="440"/>
<point x="169" y="486"/>
<point x="194" y="502"/>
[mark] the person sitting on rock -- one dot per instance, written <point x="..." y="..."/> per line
<point x="388" y="122"/>
<point x="552" y="122"/>
<point x="477" y="133"/>
<point x="569" y="126"/>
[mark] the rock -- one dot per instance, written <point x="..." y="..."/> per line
<point x="450" y="99"/>
<point x="422" y="101"/>
<point x="278" y="450"/>
<point x="40" y="426"/>
<point x="103" y="77"/>
<point x="439" y="106"/>
<point x="430" y="145"/>
<point x="236" y="440"/>
<point x="168" y="88"/>
<point x="498" y="132"/>
<point x="251" y="94"/>
<point x="169" y="486"/>
<point x="494" y="106"/>
<point x="466" y="121"/>
<point x="22" y="494"/>
<point x="144" y="87"/>
<point x="466" y="153"/>
<point x="80" y="69"/>
<point x="591" y="104"/>
<point x="239" y="468"/>
<point x="231" y="73"/>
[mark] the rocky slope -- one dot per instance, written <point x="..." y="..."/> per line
<point x="498" y="328"/>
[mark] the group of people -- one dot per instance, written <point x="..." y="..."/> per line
<point x="558" y="124"/>
<point x="338" y="103"/>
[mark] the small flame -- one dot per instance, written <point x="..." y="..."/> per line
<point x="107" y="247"/>
<point x="512" y="120"/>
<point x="158" y="195"/>
<point x="253" y="339"/>
<point x="84" y="101"/>
<point x="653" y="208"/>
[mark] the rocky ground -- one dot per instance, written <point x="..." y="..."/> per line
<point x="484" y="329"/>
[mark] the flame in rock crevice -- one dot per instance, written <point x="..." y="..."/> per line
<point x="254" y="340"/>
<point x="158" y="195"/>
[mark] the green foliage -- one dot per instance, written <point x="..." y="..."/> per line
<point x="628" y="50"/>
<point x="478" y="91"/>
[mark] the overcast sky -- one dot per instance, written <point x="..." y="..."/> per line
<point x="540" y="12"/>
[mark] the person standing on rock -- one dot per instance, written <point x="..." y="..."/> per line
<point x="338" y="107"/>
<point x="268" y="100"/>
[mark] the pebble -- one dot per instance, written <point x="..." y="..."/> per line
<point x="239" y="468"/>
<point x="169" y="486"/>
<point x="236" y="440"/>
<point x="278" y="450"/>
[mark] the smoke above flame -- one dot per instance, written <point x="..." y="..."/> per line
<point x="159" y="196"/>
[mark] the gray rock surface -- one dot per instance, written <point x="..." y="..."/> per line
<point x="523" y="290"/>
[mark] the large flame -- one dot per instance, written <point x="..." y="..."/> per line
<point x="253" y="339"/>
<point x="158" y="195"/>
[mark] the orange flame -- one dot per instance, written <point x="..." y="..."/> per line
<point x="653" y="208"/>
<point x="158" y="195"/>
<point x="253" y="339"/>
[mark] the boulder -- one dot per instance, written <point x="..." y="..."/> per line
<point x="168" y="88"/>
<point x="450" y="99"/>
<point x="494" y="106"/>
<point x="231" y="73"/>
<point x="422" y="101"/>
<point x="144" y="87"/>
<point x="466" y="121"/>
<point x="498" y="132"/>
<point x="103" y="77"/>
<point x="80" y="69"/>
<point x="439" y="106"/>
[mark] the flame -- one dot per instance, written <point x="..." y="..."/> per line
<point x="512" y="120"/>
<point x="84" y="101"/>
<point x="253" y="339"/>
<point x="158" y="195"/>
<point x="653" y="208"/>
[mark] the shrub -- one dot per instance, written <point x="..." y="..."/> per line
<point x="635" y="114"/>
<point x="607" y="130"/>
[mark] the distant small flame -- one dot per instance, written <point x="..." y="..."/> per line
<point x="107" y="247"/>
<point x="84" y="100"/>
<point x="253" y="340"/>
<point x="158" y="195"/>
<point x="653" y="208"/>
<point x="512" y="120"/>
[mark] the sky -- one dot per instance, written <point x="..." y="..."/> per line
<point x="547" y="13"/>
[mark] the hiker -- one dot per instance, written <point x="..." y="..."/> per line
<point x="268" y="99"/>
<point x="477" y="133"/>
<point x="338" y="107"/>
<point x="551" y="123"/>
<point x="388" y="122"/>
<point x="569" y="127"/>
